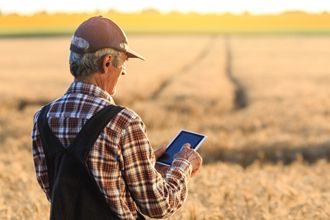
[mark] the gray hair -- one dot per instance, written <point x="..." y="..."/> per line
<point x="88" y="63"/>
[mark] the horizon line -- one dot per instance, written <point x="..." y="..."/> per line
<point x="156" y="11"/>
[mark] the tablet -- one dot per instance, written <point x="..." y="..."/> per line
<point x="184" y="136"/>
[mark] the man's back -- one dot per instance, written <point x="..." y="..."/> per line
<point x="121" y="160"/>
<point x="73" y="189"/>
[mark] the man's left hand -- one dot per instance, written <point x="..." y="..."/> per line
<point x="162" y="169"/>
<point x="160" y="151"/>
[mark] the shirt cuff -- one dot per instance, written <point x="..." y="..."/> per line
<point x="183" y="165"/>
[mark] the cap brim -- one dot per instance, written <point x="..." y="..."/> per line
<point x="132" y="54"/>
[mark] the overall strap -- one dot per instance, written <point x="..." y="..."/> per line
<point x="91" y="130"/>
<point x="51" y="144"/>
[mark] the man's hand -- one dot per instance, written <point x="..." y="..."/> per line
<point x="162" y="169"/>
<point x="192" y="156"/>
<point x="160" y="151"/>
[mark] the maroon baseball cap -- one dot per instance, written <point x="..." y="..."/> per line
<point x="98" y="33"/>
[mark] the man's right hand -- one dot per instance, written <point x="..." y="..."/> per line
<point x="192" y="156"/>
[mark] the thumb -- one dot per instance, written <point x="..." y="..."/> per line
<point x="160" y="151"/>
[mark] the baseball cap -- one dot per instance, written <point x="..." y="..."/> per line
<point x="99" y="32"/>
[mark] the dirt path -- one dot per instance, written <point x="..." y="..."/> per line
<point x="240" y="100"/>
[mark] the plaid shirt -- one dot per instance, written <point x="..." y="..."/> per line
<point x="122" y="160"/>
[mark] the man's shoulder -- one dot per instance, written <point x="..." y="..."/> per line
<point x="36" y="115"/>
<point x="127" y="116"/>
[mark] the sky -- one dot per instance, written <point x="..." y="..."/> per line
<point x="201" y="6"/>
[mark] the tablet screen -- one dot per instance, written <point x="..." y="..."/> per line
<point x="175" y="146"/>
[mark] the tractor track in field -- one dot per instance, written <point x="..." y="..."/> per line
<point x="184" y="69"/>
<point x="240" y="96"/>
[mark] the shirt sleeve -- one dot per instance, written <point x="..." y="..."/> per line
<point x="39" y="158"/>
<point x="155" y="196"/>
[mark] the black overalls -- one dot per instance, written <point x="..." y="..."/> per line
<point x="74" y="193"/>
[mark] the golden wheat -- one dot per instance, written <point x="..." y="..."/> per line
<point x="261" y="101"/>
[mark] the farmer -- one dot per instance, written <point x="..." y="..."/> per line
<point x="93" y="158"/>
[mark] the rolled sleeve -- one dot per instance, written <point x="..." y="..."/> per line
<point x="184" y="166"/>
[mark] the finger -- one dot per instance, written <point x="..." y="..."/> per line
<point x="198" y="159"/>
<point x="186" y="146"/>
<point x="196" y="169"/>
<point x="194" y="172"/>
<point x="160" y="151"/>
<point x="161" y="169"/>
<point x="162" y="148"/>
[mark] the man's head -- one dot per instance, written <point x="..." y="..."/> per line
<point x="99" y="46"/>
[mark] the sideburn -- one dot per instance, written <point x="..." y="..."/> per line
<point x="100" y="64"/>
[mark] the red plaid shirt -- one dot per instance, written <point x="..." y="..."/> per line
<point x="122" y="159"/>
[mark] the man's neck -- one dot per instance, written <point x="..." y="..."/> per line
<point x="94" y="79"/>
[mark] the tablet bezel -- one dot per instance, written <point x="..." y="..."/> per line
<point x="184" y="130"/>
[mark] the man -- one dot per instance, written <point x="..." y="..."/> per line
<point x="121" y="161"/>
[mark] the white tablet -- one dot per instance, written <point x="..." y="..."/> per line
<point x="184" y="136"/>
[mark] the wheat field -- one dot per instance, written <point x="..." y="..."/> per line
<point x="262" y="101"/>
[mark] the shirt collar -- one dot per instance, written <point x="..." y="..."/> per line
<point x="89" y="89"/>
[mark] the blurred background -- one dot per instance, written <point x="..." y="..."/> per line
<point x="252" y="75"/>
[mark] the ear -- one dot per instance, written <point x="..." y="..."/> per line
<point x="106" y="63"/>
